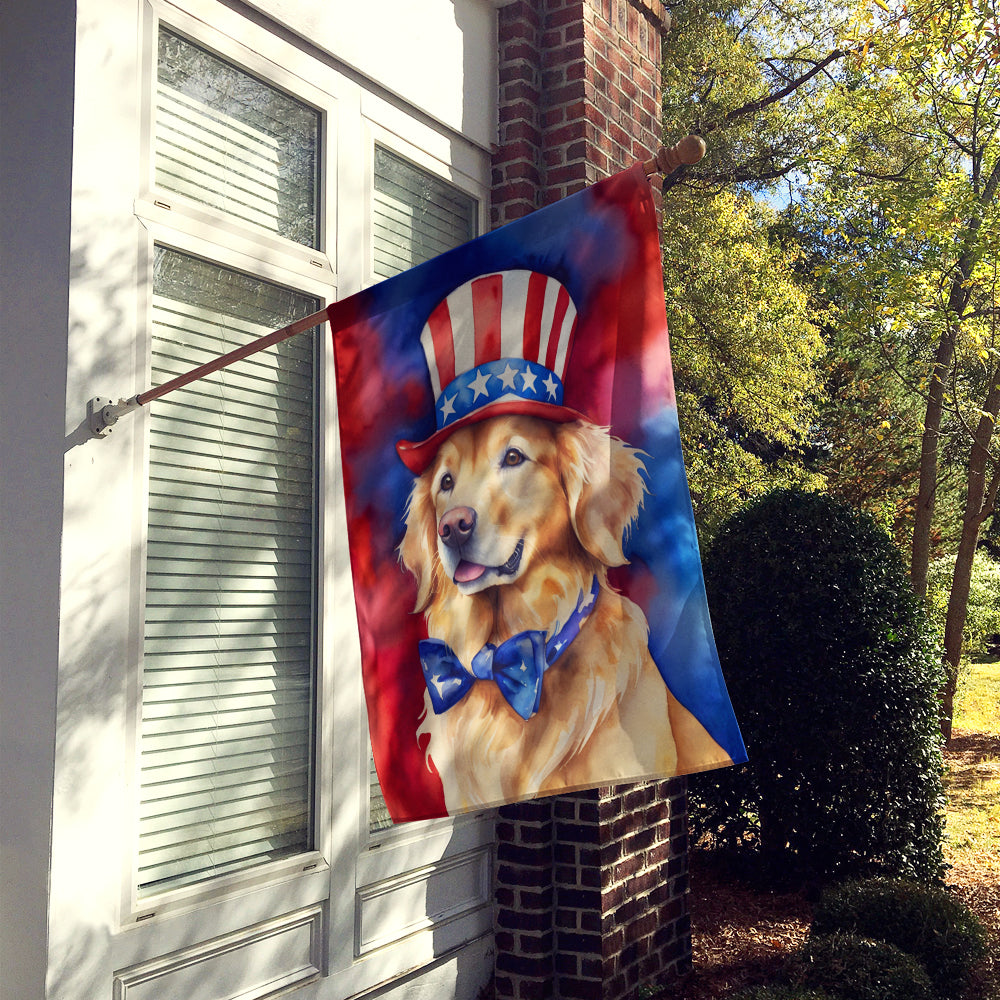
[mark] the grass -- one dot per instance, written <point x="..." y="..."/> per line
<point x="973" y="784"/>
<point x="973" y="810"/>
<point x="978" y="698"/>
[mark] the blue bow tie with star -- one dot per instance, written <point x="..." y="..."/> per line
<point x="517" y="665"/>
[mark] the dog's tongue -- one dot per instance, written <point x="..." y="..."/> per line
<point x="468" y="571"/>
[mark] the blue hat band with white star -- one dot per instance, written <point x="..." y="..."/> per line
<point x="506" y="379"/>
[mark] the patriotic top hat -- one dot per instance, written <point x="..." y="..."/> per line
<point x="497" y="344"/>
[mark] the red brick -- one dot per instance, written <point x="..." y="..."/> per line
<point x="521" y="91"/>
<point x="530" y="856"/>
<point x="519" y="70"/>
<point x="567" y="133"/>
<point x="521" y="876"/>
<point x="518" y="111"/>
<point x="521" y="920"/>
<point x="571" y="14"/>
<point x="503" y="896"/>
<point x="563" y="54"/>
<point x="536" y="944"/>
<point x="509" y="152"/>
<point x="535" y="899"/>
<point x="642" y="882"/>
<point x="629" y="909"/>
<point x="641" y="837"/>
<point x="643" y="926"/>
<point x="537" y="966"/>
<point x="573" y="988"/>
<point x="520" y="130"/>
<point x="552" y="117"/>
<point x="518" y="49"/>
<point x="567" y="964"/>
<point x="619" y="135"/>
<point x="610" y="850"/>
<point x="658" y="854"/>
<point x="576" y="941"/>
<point x="552" y="78"/>
<point x="567" y="174"/>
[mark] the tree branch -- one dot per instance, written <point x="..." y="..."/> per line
<point x="754" y="106"/>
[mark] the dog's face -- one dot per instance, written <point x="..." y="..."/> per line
<point x="510" y="492"/>
<point x="489" y="485"/>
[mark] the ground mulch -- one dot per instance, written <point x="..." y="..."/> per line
<point x="742" y="934"/>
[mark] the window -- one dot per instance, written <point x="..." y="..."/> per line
<point x="253" y="802"/>
<point x="210" y="826"/>
<point x="229" y="646"/>
<point x="227" y="140"/>
<point x="416" y="215"/>
<point x="228" y="679"/>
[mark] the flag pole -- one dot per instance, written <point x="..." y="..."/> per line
<point x="103" y="414"/>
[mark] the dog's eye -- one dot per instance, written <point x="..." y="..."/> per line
<point x="513" y="457"/>
<point x="447" y="483"/>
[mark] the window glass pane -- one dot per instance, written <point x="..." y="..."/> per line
<point x="228" y="656"/>
<point x="228" y="140"/>
<point x="416" y="217"/>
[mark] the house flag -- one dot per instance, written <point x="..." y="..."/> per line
<point x="529" y="593"/>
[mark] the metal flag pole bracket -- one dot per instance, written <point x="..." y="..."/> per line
<point x="103" y="413"/>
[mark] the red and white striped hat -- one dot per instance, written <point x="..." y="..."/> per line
<point x="497" y="344"/>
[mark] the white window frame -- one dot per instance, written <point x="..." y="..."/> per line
<point x="179" y="224"/>
<point x="350" y="874"/>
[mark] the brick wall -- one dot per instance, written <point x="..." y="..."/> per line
<point x="591" y="888"/>
<point x="579" y="96"/>
<point x="591" y="893"/>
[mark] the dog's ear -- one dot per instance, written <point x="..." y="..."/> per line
<point x="601" y="477"/>
<point x="418" y="550"/>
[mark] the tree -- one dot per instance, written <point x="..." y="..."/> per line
<point x="746" y="77"/>
<point x="747" y="352"/>
<point x="913" y="192"/>
<point x="879" y="123"/>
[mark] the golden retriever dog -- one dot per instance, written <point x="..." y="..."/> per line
<point x="507" y="531"/>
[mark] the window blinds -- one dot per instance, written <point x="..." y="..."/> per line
<point x="227" y="681"/>
<point x="416" y="216"/>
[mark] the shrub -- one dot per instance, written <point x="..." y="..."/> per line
<point x="926" y="922"/>
<point x="856" y="968"/>
<point x="833" y="673"/>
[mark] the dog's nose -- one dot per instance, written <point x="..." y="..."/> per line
<point x="457" y="526"/>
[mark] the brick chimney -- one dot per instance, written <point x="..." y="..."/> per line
<point x="591" y="888"/>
